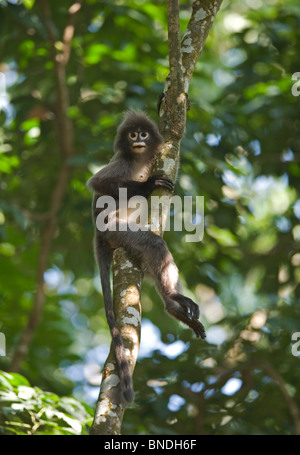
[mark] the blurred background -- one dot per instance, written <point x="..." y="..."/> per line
<point x="241" y="151"/>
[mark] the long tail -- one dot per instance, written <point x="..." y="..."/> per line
<point x="104" y="259"/>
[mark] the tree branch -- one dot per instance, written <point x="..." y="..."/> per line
<point x="184" y="56"/>
<point x="127" y="277"/>
<point x="175" y="58"/>
<point x="291" y="404"/>
<point x="201" y="21"/>
<point x="246" y="370"/>
<point x="65" y="138"/>
<point x="173" y="107"/>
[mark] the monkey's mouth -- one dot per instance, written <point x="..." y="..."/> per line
<point x="139" y="145"/>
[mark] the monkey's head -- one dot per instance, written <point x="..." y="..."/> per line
<point x="137" y="135"/>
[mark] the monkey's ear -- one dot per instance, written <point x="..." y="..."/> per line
<point x="90" y="184"/>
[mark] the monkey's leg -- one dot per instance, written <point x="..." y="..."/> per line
<point x="152" y="251"/>
<point x="177" y="305"/>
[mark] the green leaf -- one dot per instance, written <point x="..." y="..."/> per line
<point x="28" y="3"/>
<point x="223" y="236"/>
<point x="95" y="53"/>
<point x="14" y="379"/>
<point x="7" y="249"/>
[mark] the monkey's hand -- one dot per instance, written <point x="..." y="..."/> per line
<point x="160" y="180"/>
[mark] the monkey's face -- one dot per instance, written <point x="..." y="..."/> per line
<point x="137" y="136"/>
<point x="138" y="141"/>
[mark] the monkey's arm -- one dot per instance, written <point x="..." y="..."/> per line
<point x="110" y="186"/>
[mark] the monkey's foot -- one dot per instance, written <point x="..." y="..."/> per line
<point x="187" y="311"/>
<point x="188" y="305"/>
<point x="161" y="180"/>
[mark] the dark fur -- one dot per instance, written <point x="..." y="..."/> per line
<point x="131" y="169"/>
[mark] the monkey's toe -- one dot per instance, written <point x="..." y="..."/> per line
<point x="199" y="330"/>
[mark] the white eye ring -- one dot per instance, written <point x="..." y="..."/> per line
<point x="144" y="135"/>
<point x="133" y="136"/>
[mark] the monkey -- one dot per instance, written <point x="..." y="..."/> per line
<point x="136" y="146"/>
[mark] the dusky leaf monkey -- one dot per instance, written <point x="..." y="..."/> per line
<point x="137" y="144"/>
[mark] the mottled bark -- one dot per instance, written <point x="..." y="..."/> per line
<point x="127" y="278"/>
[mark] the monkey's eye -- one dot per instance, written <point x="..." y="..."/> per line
<point x="133" y="136"/>
<point x="144" y="135"/>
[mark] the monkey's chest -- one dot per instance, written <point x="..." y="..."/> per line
<point x="140" y="173"/>
<point x="139" y="176"/>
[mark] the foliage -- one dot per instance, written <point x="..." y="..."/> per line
<point x="241" y="152"/>
<point x="30" y="410"/>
